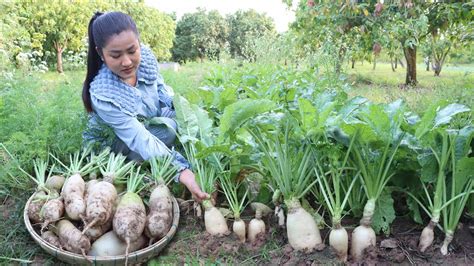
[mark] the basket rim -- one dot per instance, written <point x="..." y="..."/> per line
<point x="147" y="251"/>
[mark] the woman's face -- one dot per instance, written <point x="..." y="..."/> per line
<point x="122" y="54"/>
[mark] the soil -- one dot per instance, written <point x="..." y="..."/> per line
<point x="191" y="245"/>
<point x="400" y="247"/>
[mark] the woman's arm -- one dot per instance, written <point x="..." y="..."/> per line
<point x="133" y="133"/>
<point x="187" y="178"/>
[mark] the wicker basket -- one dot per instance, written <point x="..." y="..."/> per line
<point x="138" y="256"/>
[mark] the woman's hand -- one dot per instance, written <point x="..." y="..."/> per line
<point x="187" y="178"/>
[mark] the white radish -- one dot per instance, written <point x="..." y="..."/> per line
<point x="238" y="227"/>
<point x="427" y="236"/>
<point x="102" y="195"/>
<point x="34" y="208"/>
<point x="110" y="245"/>
<point x="55" y="182"/>
<point x="71" y="238"/>
<point x="100" y="202"/>
<point x="339" y="240"/>
<point x="94" y="232"/>
<point x="257" y="225"/>
<point x="280" y="216"/>
<point x="42" y="193"/>
<point x="303" y="233"/>
<point x="214" y="221"/>
<point x="130" y="217"/>
<point x="160" y="217"/>
<point x="51" y="238"/>
<point x="447" y="240"/>
<point x="52" y="211"/>
<point x="73" y="195"/>
<point x="363" y="236"/>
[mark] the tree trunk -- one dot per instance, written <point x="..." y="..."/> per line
<point x="410" y="56"/>
<point x="340" y="58"/>
<point x="59" y="62"/>
<point x="353" y="63"/>
<point x="438" y="60"/>
<point x="396" y="63"/>
<point x="437" y="68"/>
<point x="401" y="63"/>
<point x="375" y="62"/>
<point x="392" y="65"/>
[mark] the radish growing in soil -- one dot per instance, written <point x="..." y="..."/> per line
<point x="330" y="181"/>
<point x="197" y="136"/>
<point x="101" y="195"/>
<point x="130" y="217"/>
<point x="214" y="221"/>
<point x="257" y="225"/>
<point x="206" y="171"/>
<point x="375" y="172"/>
<point x="236" y="203"/>
<point x="160" y="217"/>
<point x="74" y="187"/>
<point x="454" y="183"/>
<point x="289" y="166"/>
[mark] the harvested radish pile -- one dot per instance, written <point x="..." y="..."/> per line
<point x="87" y="213"/>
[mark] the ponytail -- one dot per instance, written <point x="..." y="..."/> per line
<point x="94" y="63"/>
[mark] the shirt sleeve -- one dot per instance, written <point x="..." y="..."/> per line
<point x="166" y="100"/>
<point x="134" y="134"/>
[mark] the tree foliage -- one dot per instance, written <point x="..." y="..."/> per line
<point x="49" y="28"/>
<point x="55" y="26"/>
<point x="244" y="28"/>
<point x="201" y="34"/>
<point x="14" y="38"/>
<point x="157" y="29"/>
<point x="356" y="28"/>
<point x="450" y="26"/>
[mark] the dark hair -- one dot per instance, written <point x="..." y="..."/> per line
<point x="101" y="27"/>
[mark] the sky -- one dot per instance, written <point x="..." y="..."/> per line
<point x="273" y="8"/>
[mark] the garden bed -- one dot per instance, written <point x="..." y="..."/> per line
<point x="192" y="245"/>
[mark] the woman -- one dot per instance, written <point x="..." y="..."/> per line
<point x="122" y="89"/>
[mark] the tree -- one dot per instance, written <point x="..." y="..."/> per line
<point x="14" y="38"/>
<point x="56" y="25"/>
<point x="157" y="29"/>
<point x="448" y="27"/>
<point x="244" y="28"/>
<point x="199" y="35"/>
<point x="346" y="26"/>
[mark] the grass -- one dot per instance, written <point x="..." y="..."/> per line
<point x="39" y="113"/>
<point x="456" y="84"/>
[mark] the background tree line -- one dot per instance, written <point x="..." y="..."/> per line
<point x="42" y="34"/>
<point x="360" y="30"/>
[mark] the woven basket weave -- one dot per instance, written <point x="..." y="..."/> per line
<point x="138" y="256"/>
